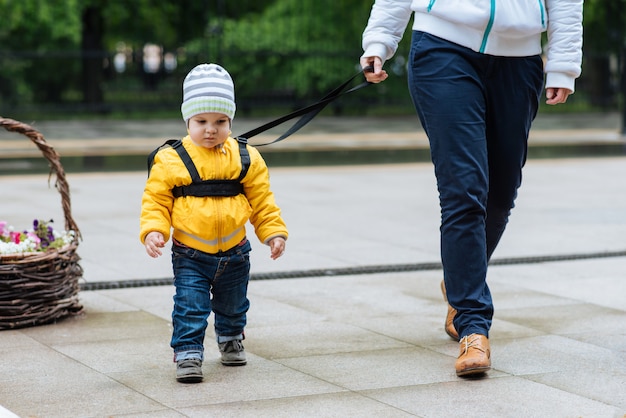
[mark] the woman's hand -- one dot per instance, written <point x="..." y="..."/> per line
<point x="378" y="74"/>
<point x="557" y="95"/>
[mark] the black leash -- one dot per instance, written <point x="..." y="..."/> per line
<point x="307" y="113"/>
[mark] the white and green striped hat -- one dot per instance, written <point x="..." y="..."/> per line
<point x="208" y="88"/>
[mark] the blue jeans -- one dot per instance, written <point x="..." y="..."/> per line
<point x="204" y="283"/>
<point x="477" y="111"/>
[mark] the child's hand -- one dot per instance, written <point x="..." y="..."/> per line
<point x="277" y="247"/>
<point x="154" y="240"/>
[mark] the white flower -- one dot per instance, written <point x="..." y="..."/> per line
<point x="30" y="241"/>
<point x="26" y="246"/>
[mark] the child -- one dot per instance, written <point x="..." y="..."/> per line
<point x="210" y="251"/>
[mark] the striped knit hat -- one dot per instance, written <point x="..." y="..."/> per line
<point x="208" y="88"/>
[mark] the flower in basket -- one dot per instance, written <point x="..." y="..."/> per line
<point x="40" y="238"/>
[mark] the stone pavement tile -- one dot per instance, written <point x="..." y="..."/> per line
<point x="348" y="216"/>
<point x="605" y="386"/>
<point x="15" y="340"/>
<point x="332" y="405"/>
<point x="551" y="354"/>
<point x="156" y="300"/>
<point x="510" y="290"/>
<point x="568" y="206"/>
<point x="615" y="341"/>
<point x="267" y="311"/>
<point x="343" y="298"/>
<point x="41" y="382"/>
<point x="568" y="320"/>
<point x="584" y="369"/>
<point x="377" y="369"/>
<point x="317" y="338"/>
<point x="117" y="356"/>
<point x="99" y="327"/>
<point x="104" y="301"/>
<point x="501" y="397"/>
<point x="426" y="330"/>
<point x="259" y="379"/>
<point x="598" y="281"/>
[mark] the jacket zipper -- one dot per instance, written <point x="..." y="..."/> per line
<point x="492" y="14"/>
<point x="489" y="26"/>
<point x="218" y="229"/>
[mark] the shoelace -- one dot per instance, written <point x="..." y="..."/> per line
<point x="471" y="344"/>
<point x="189" y="363"/>
<point x="234" y="346"/>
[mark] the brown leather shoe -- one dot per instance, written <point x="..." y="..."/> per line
<point x="474" y="357"/>
<point x="449" y="325"/>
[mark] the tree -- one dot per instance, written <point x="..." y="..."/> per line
<point x="31" y="28"/>
<point x="66" y="29"/>
<point x="604" y="37"/>
<point x="307" y="46"/>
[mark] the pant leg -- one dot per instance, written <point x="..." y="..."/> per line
<point x="230" y="289"/>
<point x="447" y="88"/>
<point x="192" y="302"/>
<point x="514" y="87"/>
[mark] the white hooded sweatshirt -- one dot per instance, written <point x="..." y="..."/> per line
<point x="509" y="28"/>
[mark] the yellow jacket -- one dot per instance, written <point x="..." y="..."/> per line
<point x="209" y="224"/>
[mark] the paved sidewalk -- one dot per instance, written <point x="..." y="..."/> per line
<point x="354" y="345"/>
<point x="333" y="345"/>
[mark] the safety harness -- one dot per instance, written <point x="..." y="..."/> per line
<point x="203" y="188"/>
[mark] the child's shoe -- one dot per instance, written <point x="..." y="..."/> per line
<point x="233" y="353"/>
<point x="189" y="371"/>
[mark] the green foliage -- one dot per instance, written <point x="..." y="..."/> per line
<point x="605" y="25"/>
<point x="296" y="49"/>
<point x="300" y="47"/>
<point x="37" y="26"/>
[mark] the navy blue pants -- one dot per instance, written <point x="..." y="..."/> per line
<point x="477" y="111"/>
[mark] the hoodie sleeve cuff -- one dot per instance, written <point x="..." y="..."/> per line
<point x="376" y="50"/>
<point x="560" y="80"/>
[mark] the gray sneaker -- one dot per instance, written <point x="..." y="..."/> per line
<point x="189" y="371"/>
<point x="233" y="353"/>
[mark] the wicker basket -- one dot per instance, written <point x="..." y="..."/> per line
<point x="39" y="288"/>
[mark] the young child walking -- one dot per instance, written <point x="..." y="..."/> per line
<point x="204" y="189"/>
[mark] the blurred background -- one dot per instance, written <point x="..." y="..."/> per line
<point x="69" y="59"/>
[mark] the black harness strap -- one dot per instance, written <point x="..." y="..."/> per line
<point x="204" y="188"/>
<point x="168" y="143"/>
<point x="245" y="157"/>
<point x="309" y="112"/>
